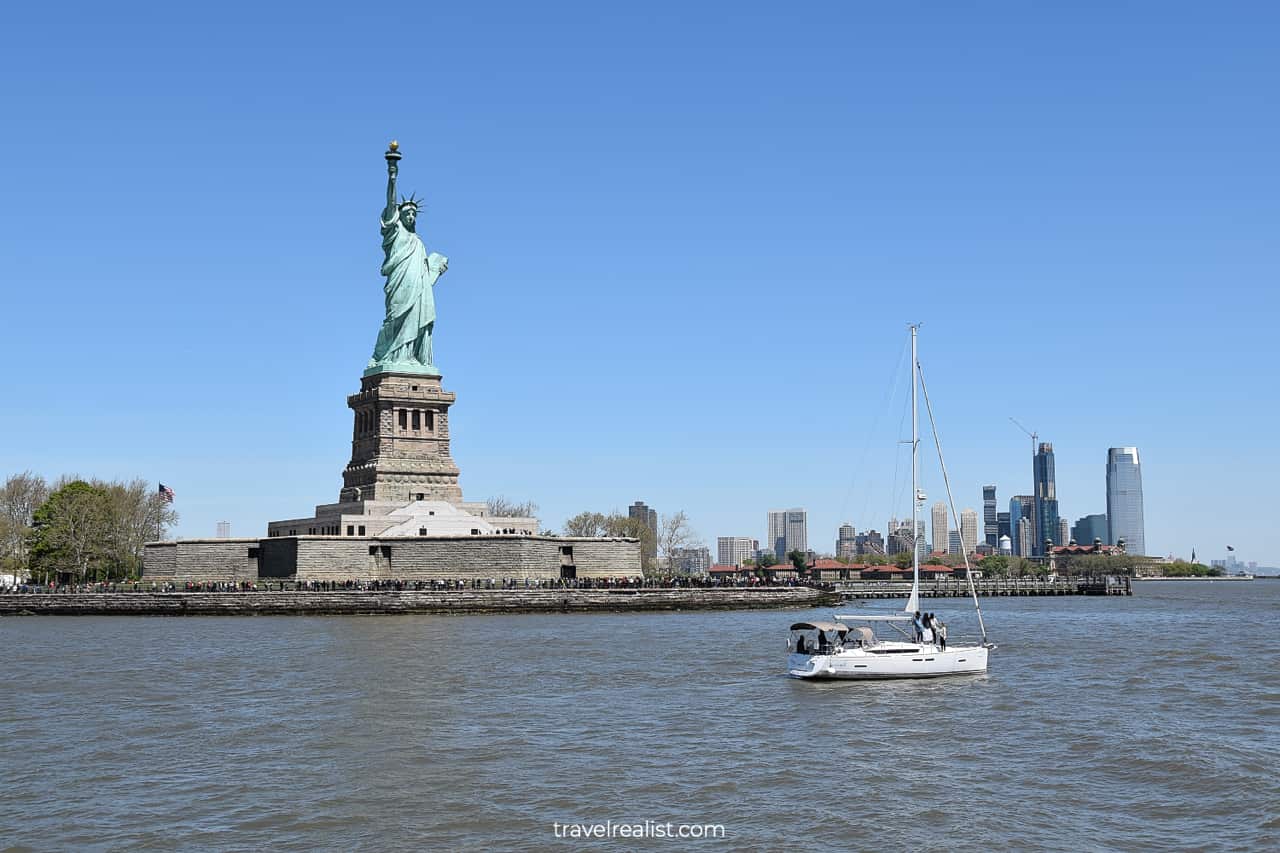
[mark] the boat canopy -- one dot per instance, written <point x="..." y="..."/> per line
<point x="819" y="626"/>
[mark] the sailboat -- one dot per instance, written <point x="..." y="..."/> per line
<point x="848" y="647"/>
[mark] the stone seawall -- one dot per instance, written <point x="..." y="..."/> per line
<point x="302" y="602"/>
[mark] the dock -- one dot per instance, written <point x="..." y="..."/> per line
<point x="988" y="587"/>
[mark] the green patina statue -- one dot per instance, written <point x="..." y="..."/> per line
<point x="404" y="342"/>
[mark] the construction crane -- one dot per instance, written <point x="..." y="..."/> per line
<point x="1034" y="436"/>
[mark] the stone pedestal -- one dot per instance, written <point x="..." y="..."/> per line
<point x="400" y="441"/>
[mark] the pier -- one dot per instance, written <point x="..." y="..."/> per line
<point x="958" y="588"/>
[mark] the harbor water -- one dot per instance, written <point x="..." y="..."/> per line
<point x="1104" y="723"/>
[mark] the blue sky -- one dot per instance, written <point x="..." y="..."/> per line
<point x="685" y="241"/>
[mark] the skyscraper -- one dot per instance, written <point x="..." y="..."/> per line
<point x="954" y="542"/>
<point x="1064" y="531"/>
<point x="1089" y="528"/>
<point x="788" y="531"/>
<point x="846" y="542"/>
<point x="777" y="539"/>
<point x="1124" y="500"/>
<point x="1025" y="534"/>
<point x="1021" y="507"/>
<point x="969" y="530"/>
<point x="649" y="517"/>
<point x="1002" y="525"/>
<point x="990" y="524"/>
<point x="733" y="550"/>
<point x="938" y="516"/>
<point x="1045" y="515"/>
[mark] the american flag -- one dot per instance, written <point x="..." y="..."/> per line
<point x="166" y="493"/>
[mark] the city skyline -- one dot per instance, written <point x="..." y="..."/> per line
<point x="866" y="154"/>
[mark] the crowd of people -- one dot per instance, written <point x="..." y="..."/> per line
<point x="400" y="585"/>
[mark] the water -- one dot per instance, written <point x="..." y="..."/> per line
<point x="1122" y="723"/>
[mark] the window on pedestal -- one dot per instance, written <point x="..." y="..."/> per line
<point x="417" y="420"/>
<point x="431" y="420"/>
<point x="404" y="418"/>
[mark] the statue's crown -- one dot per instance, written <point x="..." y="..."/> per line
<point x="411" y="201"/>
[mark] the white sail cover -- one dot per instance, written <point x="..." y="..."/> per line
<point x="913" y="601"/>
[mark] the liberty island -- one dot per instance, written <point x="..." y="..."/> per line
<point x="400" y="511"/>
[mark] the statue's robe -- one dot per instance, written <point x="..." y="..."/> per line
<point x="411" y="273"/>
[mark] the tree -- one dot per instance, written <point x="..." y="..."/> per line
<point x="674" y="534"/>
<point x="136" y="514"/>
<point x="97" y="530"/>
<point x="766" y="560"/>
<point x="585" y="524"/>
<point x="21" y="495"/>
<point x="996" y="565"/>
<point x="70" y="531"/>
<point x="500" y="507"/>
<point x="799" y="560"/>
<point x="902" y="559"/>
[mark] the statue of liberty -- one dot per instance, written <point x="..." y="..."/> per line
<point x="404" y="342"/>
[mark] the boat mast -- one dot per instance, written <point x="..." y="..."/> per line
<point x="913" y="603"/>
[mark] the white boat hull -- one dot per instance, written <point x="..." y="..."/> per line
<point x="901" y="661"/>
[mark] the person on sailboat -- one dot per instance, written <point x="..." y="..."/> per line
<point x="942" y="635"/>
<point x="919" y="627"/>
<point x="926" y="633"/>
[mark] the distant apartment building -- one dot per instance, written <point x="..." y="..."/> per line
<point x="969" y="530"/>
<point x="846" y="542"/>
<point x="649" y="517"/>
<point x="954" y="542"/>
<point x="1021" y="508"/>
<point x="1026" y="532"/>
<point x="900" y="537"/>
<point x="788" y="531"/>
<point x="224" y="530"/>
<point x="734" y="550"/>
<point x="1089" y="528"/>
<point x="990" y="519"/>
<point x="1064" y="531"/>
<point x="691" y="561"/>
<point x="938" y="518"/>
<point x="870" y="543"/>
<point x="1124" y="500"/>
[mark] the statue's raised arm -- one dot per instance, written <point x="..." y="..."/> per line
<point x="393" y="168"/>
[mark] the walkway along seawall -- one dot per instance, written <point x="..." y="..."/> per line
<point x="372" y="602"/>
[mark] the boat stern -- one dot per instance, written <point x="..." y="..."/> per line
<point x="807" y="666"/>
